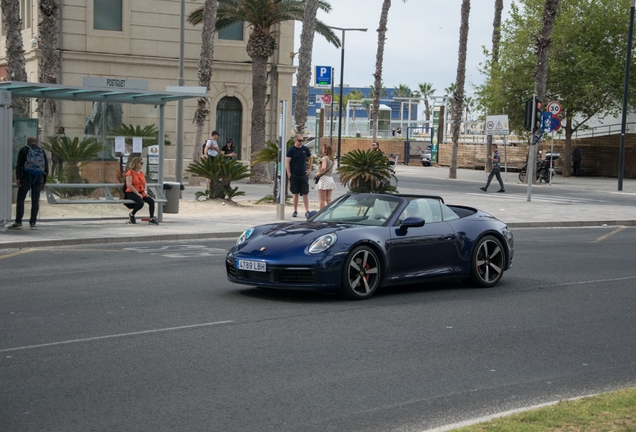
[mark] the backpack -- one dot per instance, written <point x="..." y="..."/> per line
<point x="203" y="149"/>
<point x="35" y="164"/>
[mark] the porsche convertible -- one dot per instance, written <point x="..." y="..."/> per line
<point x="361" y="242"/>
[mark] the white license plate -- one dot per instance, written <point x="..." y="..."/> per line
<point x="252" y="265"/>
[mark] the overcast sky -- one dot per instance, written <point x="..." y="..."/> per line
<point x="421" y="46"/>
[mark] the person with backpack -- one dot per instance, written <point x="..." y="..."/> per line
<point x="31" y="170"/>
<point x="211" y="150"/>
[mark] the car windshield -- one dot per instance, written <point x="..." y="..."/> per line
<point x="359" y="209"/>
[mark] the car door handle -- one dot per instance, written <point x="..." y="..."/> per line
<point x="448" y="237"/>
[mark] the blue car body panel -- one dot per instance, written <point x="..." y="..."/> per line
<point x="437" y="249"/>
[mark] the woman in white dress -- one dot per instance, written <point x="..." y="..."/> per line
<point x="326" y="184"/>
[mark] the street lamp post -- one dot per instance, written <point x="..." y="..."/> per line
<point x="180" y="82"/>
<point x="342" y="83"/>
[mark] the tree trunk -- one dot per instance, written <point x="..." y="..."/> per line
<point x="50" y="61"/>
<point x="428" y="114"/>
<point x="259" y="89"/>
<point x="205" y="76"/>
<point x="16" y="69"/>
<point x="541" y="72"/>
<point x="379" y="58"/>
<point x="496" y="39"/>
<point x="304" y="65"/>
<point x="458" y="97"/>
<point x="567" y="149"/>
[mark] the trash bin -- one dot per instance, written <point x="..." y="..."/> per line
<point x="172" y="191"/>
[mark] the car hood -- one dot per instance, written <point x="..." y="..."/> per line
<point x="290" y="236"/>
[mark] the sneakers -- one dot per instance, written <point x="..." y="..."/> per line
<point x="295" y="214"/>
<point x="132" y="219"/>
<point x="153" y="221"/>
<point x="15" y="226"/>
<point x="307" y="215"/>
<point x="483" y="188"/>
<point x="31" y="225"/>
<point x="501" y="190"/>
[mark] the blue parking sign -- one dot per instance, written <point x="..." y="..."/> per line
<point x="546" y="122"/>
<point x="322" y="77"/>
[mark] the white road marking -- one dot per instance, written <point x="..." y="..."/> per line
<point x="179" y="251"/>
<point x="115" y="336"/>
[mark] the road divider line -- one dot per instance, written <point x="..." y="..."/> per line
<point x="24" y="251"/>
<point x="603" y="237"/>
<point x="589" y="282"/>
<point x="115" y="336"/>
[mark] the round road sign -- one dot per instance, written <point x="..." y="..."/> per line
<point x="555" y="108"/>
<point x="556" y="124"/>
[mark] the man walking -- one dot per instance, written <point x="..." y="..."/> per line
<point x="496" y="168"/>
<point x="298" y="173"/>
<point x="31" y="170"/>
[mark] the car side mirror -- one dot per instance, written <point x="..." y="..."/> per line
<point x="411" y="222"/>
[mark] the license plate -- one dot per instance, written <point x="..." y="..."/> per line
<point x="252" y="265"/>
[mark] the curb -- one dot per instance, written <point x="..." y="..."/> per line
<point x="235" y="234"/>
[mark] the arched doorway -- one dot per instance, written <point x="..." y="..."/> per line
<point x="229" y="119"/>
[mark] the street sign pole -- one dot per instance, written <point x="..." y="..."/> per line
<point x="331" y="114"/>
<point x="551" y="156"/>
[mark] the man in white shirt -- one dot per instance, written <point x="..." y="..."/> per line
<point x="211" y="147"/>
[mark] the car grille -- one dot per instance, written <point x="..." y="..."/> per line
<point x="282" y="275"/>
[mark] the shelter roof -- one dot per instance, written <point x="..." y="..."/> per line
<point x="93" y="94"/>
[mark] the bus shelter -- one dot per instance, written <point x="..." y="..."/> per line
<point x="91" y="115"/>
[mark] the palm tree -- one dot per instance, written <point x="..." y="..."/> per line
<point x="365" y="171"/>
<point x="221" y="172"/>
<point x="402" y="90"/>
<point x="74" y="154"/>
<point x="304" y="64"/>
<point x="426" y="91"/>
<point x="50" y="61"/>
<point x="379" y="58"/>
<point x="458" y="95"/>
<point x="16" y="69"/>
<point x="262" y="16"/>
<point x="205" y="76"/>
<point x="450" y="91"/>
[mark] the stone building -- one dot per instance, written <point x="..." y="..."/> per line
<point x="139" y="40"/>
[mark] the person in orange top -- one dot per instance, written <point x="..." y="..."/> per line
<point x="136" y="190"/>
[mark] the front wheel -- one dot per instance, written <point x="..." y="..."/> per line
<point x="487" y="262"/>
<point x="361" y="274"/>
<point x="522" y="176"/>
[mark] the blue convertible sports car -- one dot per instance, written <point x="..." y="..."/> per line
<point x="360" y="242"/>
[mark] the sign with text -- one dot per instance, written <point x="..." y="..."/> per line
<point x="323" y="77"/>
<point x="114" y="83"/>
<point x="323" y="99"/>
<point x="497" y="125"/>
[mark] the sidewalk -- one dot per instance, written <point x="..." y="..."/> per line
<point x="105" y="223"/>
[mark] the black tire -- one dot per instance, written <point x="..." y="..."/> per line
<point x="361" y="274"/>
<point x="522" y="176"/>
<point x="487" y="262"/>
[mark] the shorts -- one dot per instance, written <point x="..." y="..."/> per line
<point x="299" y="184"/>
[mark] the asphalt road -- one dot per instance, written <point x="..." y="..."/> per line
<point x="410" y="182"/>
<point x="152" y="337"/>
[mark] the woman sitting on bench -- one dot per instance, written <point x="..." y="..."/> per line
<point x="136" y="190"/>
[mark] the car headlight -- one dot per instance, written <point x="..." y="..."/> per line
<point x="323" y="243"/>
<point x="246" y="234"/>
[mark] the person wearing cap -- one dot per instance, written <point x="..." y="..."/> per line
<point x="228" y="149"/>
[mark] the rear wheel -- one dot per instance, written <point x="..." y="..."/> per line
<point x="487" y="263"/>
<point x="361" y="274"/>
<point x="522" y="176"/>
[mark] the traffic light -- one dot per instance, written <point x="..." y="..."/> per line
<point x="533" y="107"/>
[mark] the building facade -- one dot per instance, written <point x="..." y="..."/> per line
<point x="139" y="40"/>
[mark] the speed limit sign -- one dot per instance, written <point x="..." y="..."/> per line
<point x="555" y="108"/>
